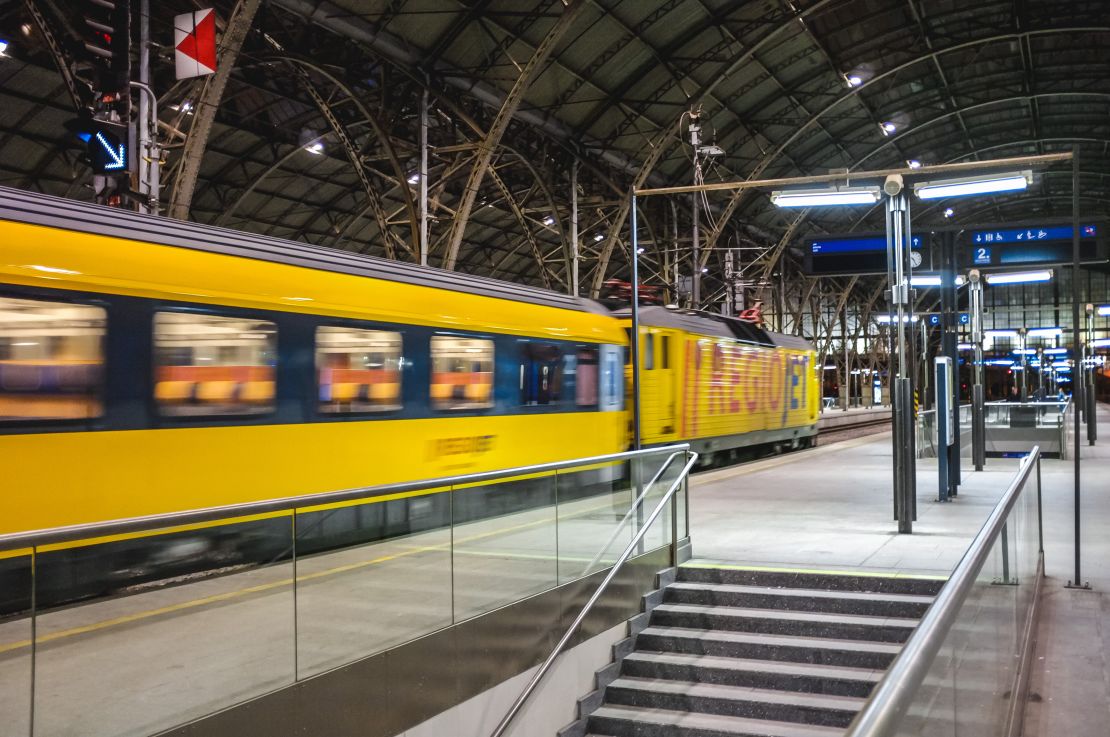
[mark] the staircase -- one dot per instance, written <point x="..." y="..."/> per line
<point x="733" y="653"/>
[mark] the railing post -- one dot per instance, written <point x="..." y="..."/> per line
<point x="1040" y="511"/>
<point x="1005" y="555"/>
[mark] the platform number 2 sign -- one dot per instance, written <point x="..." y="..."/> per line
<point x="982" y="256"/>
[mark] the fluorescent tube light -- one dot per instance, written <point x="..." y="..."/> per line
<point x="964" y="347"/>
<point x="986" y="184"/>
<point x="1101" y="343"/>
<point x="1002" y="334"/>
<point x="1104" y="310"/>
<point x="1025" y="351"/>
<point x="1020" y="277"/>
<point x="826" y="197"/>
<point x="1056" y="351"/>
<point x="925" y="281"/>
<point x="1045" y="332"/>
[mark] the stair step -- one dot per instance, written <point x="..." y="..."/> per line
<point x="811" y="600"/>
<point x="781" y="648"/>
<point x="840" y="626"/>
<point x="622" y="721"/>
<point x="785" y="676"/>
<point x="796" y="580"/>
<point x="736" y="701"/>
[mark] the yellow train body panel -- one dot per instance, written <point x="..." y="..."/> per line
<point x="38" y="256"/>
<point x="94" y="476"/>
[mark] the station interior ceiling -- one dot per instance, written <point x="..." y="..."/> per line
<point x="527" y="102"/>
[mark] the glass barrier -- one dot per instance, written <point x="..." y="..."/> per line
<point x="959" y="672"/>
<point x="134" y="633"/>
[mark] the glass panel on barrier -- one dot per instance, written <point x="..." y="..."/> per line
<point x="967" y="690"/>
<point x="201" y="618"/>
<point x="371" y="575"/>
<point x="595" y="523"/>
<point x="15" y="643"/>
<point x="505" y="542"/>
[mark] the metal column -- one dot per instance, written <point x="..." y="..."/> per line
<point x="949" y="348"/>
<point x="898" y="268"/>
<point x="424" y="176"/>
<point x="574" y="228"/>
<point x="1077" y="350"/>
<point x="635" y="338"/>
<point x="978" y="400"/>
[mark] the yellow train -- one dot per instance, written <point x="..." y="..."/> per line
<point x="150" y="365"/>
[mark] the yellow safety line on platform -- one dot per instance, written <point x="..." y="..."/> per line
<point x="216" y="598"/>
<point x="818" y="571"/>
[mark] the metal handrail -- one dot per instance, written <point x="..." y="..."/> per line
<point x="632" y="508"/>
<point x="71" y="533"/>
<point x="891" y="699"/>
<point x="528" y="690"/>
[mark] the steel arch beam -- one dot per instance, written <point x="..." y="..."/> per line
<point x="208" y="102"/>
<point x="500" y="124"/>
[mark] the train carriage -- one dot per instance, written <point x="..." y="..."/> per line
<point x="150" y="366"/>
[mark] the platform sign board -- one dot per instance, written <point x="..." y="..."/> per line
<point x="849" y="254"/>
<point x="1033" y="245"/>
<point x="194" y="42"/>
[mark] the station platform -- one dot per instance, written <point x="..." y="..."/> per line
<point x="829" y="510"/>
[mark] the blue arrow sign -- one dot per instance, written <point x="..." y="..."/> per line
<point x="117" y="159"/>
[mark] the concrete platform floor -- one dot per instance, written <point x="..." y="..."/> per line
<point x="830" y="509"/>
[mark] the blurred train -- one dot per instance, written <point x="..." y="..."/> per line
<point x="150" y="365"/>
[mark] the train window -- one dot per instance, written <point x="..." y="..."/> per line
<point x="358" y="370"/>
<point x="665" y="352"/>
<point x="585" y="378"/>
<point x="649" y="352"/>
<point x="462" y="373"/>
<point x="611" y="379"/>
<point x="51" y="360"/>
<point x="541" y="374"/>
<point x="213" y="365"/>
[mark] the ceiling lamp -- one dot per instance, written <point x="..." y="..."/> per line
<point x="1011" y="182"/>
<point x="1020" y="277"/>
<point x="826" y="197"/>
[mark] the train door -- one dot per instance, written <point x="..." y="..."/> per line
<point x="666" y="376"/>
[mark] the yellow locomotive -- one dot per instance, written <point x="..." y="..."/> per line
<point x="149" y="366"/>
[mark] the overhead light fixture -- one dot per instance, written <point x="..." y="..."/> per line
<point x="830" y="367"/>
<point x="711" y="150"/>
<point x="888" y="128"/>
<point x="414" y="179"/>
<point x="1045" y="333"/>
<point x="949" y="212"/>
<point x="1056" y="351"/>
<point x="1101" y="343"/>
<point x="913" y="164"/>
<point x="3" y="48"/>
<point x="886" y="319"/>
<point x="599" y="238"/>
<point x="825" y="197"/>
<point x="964" y="347"/>
<point x="925" y="281"/>
<point x="26" y="29"/>
<point x="984" y="184"/>
<point x="999" y="362"/>
<point x="1020" y="277"/>
<point x="549" y="220"/>
<point x="1013" y="334"/>
<point x="1025" y="351"/>
<point x="315" y="148"/>
<point x="853" y="80"/>
<point x="1104" y="310"/>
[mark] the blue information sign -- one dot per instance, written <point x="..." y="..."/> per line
<point x="963" y="319"/>
<point x="1025" y="235"/>
<point x="854" y="245"/>
<point x="982" y="255"/>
